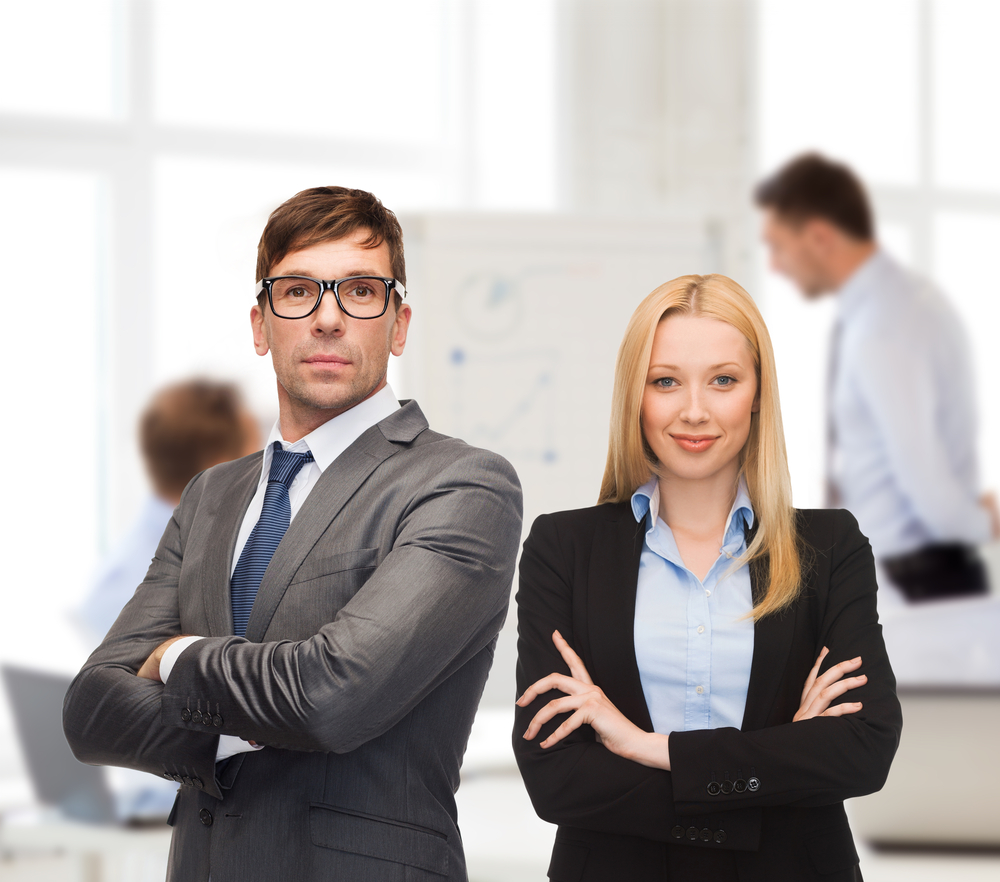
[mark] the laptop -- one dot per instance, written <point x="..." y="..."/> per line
<point x="79" y="791"/>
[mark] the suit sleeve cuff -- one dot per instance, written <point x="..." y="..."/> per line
<point x="172" y="653"/>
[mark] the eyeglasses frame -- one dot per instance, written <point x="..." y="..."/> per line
<point x="325" y="285"/>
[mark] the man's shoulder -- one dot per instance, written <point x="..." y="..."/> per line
<point x="226" y="473"/>
<point x="435" y="450"/>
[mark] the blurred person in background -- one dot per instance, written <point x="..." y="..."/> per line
<point x="698" y="736"/>
<point x="901" y="414"/>
<point x="186" y="428"/>
<point x="308" y="649"/>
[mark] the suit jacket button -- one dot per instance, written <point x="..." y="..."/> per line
<point x="727" y="787"/>
<point x="740" y="785"/>
<point x="177" y="778"/>
<point x="217" y="720"/>
<point x="196" y="716"/>
<point x="706" y="835"/>
<point x="206" y="719"/>
<point x="186" y="715"/>
<point x="206" y="817"/>
<point x="677" y="832"/>
<point x="197" y="783"/>
<point x="168" y="776"/>
<point x="692" y="833"/>
<point x="753" y="784"/>
<point x="714" y="789"/>
<point x="186" y="780"/>
<point x="720" y="836"/>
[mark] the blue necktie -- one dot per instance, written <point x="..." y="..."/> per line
<point x="275" y="516"/>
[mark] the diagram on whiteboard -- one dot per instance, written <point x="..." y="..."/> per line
<point x="505" y="402"/>
<point x="502" y="393"/>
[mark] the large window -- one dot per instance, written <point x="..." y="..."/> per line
<point x="903" y="90"/>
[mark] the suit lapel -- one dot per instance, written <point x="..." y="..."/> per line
<point x="336" y="486"/>
<point x="226" y="517"/>
<point x="772" y="641"/>
<point x="611" y="593"/>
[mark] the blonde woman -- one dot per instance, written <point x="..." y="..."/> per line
<point x="702" y="674"/>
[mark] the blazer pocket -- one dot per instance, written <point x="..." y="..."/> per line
<point x="832" y="849"/>
<point x="568" y="861"/>
<point x="382" y="838"/>
<point x="318" y="566"/>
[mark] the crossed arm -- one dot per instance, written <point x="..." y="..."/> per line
<point x="437" y="598"/>
<point x="587" y="703"/>
<point x="612" y="776"/>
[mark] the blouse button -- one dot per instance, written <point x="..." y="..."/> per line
<point x="701" y="629"/>
<point x="699" y="689"/>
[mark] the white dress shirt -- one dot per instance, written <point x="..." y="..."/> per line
<point x="903" y="413"/>
<point x="326" y="443"/>
<point x="693" y="637"/>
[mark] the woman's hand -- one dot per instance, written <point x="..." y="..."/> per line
<point x="819" y="691"/>
<point x="590" y="705"/>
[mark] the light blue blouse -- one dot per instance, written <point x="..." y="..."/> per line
<point x="693" y="649"/>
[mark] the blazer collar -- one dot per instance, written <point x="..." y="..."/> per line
<point x="772" y="641"/>
<point x="338" y="483"/>
<point x="226" y="516"/>
<point x="611" y="592"/>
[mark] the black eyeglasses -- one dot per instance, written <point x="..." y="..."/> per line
<point x="360" y="297"/>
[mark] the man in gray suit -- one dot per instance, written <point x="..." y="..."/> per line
<point x="313" y="690"/>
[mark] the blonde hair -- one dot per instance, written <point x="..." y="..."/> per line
<point x="763" y="461"/>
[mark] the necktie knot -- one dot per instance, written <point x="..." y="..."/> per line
<point x="286" y="465"/>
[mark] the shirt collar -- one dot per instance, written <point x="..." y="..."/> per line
<point x="335" y="435"/>
<point x="646" y="501"/>
<point x="861" y="284"/>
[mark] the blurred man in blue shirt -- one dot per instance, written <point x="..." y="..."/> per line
<point x="186" y="428"/>
<point x="901" y="434"/>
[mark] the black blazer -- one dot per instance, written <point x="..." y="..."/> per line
<point x="761" y="803"/>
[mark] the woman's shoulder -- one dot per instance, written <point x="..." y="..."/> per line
<point x="833" y="533"/>
<point x="576" y="520"/>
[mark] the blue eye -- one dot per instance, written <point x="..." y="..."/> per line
<point x="725" y="381"/>
<point x="665" y="382"/>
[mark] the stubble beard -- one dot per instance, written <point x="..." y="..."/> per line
<point x="338" y="394"/>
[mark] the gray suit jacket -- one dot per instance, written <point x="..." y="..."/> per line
<point x="364" y="661"/>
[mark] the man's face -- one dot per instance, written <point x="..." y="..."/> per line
<point x="798" y="251"/>
<point x="329" y="362"/>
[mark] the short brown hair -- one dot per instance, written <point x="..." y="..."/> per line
<point x="321" y="214"/>
<point x="812" y="186"/>
<point x="187" y="428"/>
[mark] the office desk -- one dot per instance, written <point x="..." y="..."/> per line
<point x="96" y="853"/>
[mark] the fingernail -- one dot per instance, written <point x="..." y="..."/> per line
<point x="525" y="735"/>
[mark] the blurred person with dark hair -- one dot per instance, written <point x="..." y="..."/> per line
<point x="186" y="428"/>
<point x="308" y="650"/>
<point x="901" y="426"/>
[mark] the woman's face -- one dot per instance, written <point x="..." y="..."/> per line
<point x="701" y="389"/>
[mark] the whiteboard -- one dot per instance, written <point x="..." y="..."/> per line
<point x="516" y="325"/>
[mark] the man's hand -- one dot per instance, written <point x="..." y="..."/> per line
<point x="150" y="669"/>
